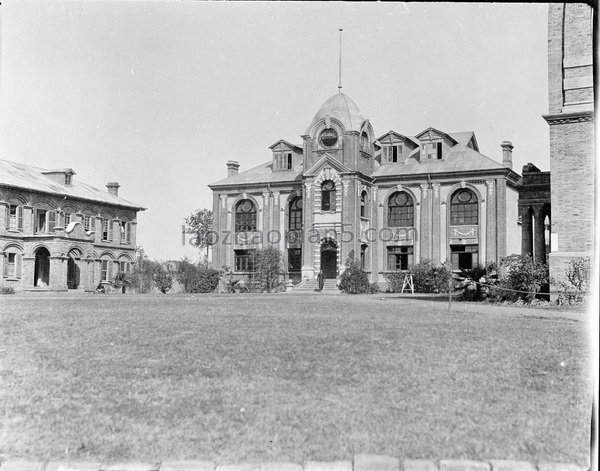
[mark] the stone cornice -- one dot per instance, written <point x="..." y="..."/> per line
<point x="573" y="117"/>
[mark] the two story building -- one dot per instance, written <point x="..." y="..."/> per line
<point x="57" y="233"/>
<point x="388" y="201"/>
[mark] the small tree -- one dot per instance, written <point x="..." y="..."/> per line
<point x="200" y="224"/>
<point x="163" y="279"/>
<point x="578" y="274"/>
<point x="354" y="280"/>
<point x="267" y="267"/>
<point x="186" y="274"/>
<point x="522" y="277"/>
<point x="142" y="276"/>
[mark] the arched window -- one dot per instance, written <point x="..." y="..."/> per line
<point x="464" y="209"/>
<point x="245" y="216"/>
<point x="363" y="205"/>
<point x="401" y="210"/>
<point x="328" y="196"/>
<point x="295" y="215"/>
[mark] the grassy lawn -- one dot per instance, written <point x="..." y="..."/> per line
<point x="252" y="377"/>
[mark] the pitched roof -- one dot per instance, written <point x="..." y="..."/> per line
<point x="261" y="174"/>
<point x="460" y="158"/>
<point x="27" y="177"/>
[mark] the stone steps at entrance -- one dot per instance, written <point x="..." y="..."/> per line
<point x="329" y="287"/>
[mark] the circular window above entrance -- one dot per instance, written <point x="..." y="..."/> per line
<point x="329" y="137"/>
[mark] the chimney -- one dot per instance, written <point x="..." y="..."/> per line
<point x="232" y="168"/>
<point x="507" y="148"/>
<point x="113" y="188"/>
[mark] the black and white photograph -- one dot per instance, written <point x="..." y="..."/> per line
<point x="298" y="236"/>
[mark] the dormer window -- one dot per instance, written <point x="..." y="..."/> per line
<point x="68" y="178"/>
<point x="392" y="154"/>
<point x="432" y="151"/>
<point x="284" y="161"/>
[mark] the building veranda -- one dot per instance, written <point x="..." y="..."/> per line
<point x="57" y="233"/>
<point x="388" y="201"/>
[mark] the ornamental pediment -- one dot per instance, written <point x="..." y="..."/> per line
<point x="326" y="160"/>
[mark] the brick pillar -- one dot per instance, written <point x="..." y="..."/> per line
<point x="58" y="273"/>
<point x="526" y="231"/>
<point x="27" y="220"/>
<point x="491" y="224"/>
<point x="3" y="221"/>
<point x="435" y="224"/>
<point x="308" y="248"/>
<point x="98" y="229"/>
<point x="27" y="271"/>
<point x="540" y="240"/>
<point x="266" y="216"/>
<point x="425" y="223"/>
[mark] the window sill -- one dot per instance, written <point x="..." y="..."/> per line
<point x="12" y="229"/>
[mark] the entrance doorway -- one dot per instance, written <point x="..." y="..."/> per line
<point x="73" y="271"/>
<point x="329" y="259"/>
<point x="41" y="272"/>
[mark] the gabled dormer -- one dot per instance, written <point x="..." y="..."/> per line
<point x="63" y="176"/>
<point x="395" y="148"/>
<point x="435" y="144"/>
<point x="286" y="156"/>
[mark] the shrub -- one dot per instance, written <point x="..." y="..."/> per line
<point x="142" y="276"/>
<point x="186" y="274"/>
<point x="206" y="281"/>
<point x="578" y="275"/>
<point x="267" y="268"/>
<point x="354" y="280"/>
<point x="523" y="276"/>
<point x="395" y="280"/>
<point x="472" y="289"/>
<point x="163" y="280"/>
<point x="7" y="290"/>
<point x="430" y="278"/>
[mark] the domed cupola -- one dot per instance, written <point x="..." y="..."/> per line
<point x="339" y="107"/>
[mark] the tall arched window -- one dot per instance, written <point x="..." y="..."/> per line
<point x="245" y="216"/>
<point x="363" y="205"/>
<point x="295" y="215"/>
<point x="401" y="210"/>
<point x="328" y="196"/>
<point x="464" y="209"/>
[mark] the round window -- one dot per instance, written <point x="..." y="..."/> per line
<point x="464" y="196"/>
<point x="329" y="137"/>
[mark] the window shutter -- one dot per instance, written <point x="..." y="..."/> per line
<point x="385" y="153"/>
<point x="51" y="220"/>
<point x="20" y="218"/>
<point x="7" y="220"/>
<point x="128" y="229"/>
<point x="18" y="259"/>
<point x="5" y="258"/>
<point x="92" y="223"/>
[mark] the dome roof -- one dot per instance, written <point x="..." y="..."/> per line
<point x="342" y="108"/>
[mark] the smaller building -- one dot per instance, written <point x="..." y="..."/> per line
<point x="57" y="233"/>
<point x="534" y="212"/>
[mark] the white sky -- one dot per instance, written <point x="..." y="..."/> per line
<point x="159" y="95"/>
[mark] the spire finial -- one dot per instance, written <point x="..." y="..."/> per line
<point x="340" y="66"/>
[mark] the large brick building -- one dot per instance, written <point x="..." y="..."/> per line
<point x="388" y="201"/>
<point x="571" y="120"/>
<point x="57" y="233"/>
